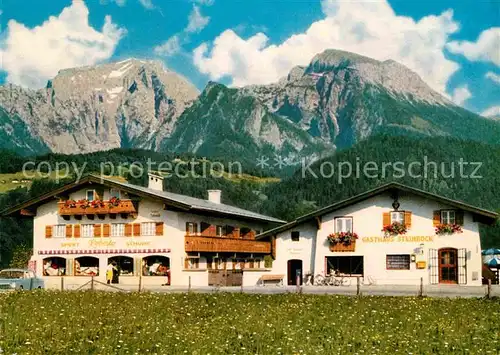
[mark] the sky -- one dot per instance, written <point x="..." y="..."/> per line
<point x="453" y="45"/>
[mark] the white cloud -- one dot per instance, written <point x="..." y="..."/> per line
<point x="492" y="112"/>
<point x="170" y="47"/>
<point x="32" y="56"/>
<point x="367" y="28"/>
<point x="460" y="95"/>
<point x="486" y="48"/>
<point x="148" y="4"/>
<point x="493" y="76"/>
<point x="197" y="21"/>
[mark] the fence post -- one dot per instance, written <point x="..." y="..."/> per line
<point x="189" y="284"/>
<point x="62" y="283"/>
<point x="488" y="295"/>
<point x="421" y="291"/>
<point x="297" y="283"/>
<point x="358" y="286"/>
<point x="140" y="282"/>
<point x="92" y="283"/>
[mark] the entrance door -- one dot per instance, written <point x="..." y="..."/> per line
<point x="294" y="269"/>
<point x="448" y="266"/>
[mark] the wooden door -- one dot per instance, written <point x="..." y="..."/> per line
<point x="448" y="266"/>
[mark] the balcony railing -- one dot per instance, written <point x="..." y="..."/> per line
<point x="221" y="244"/>
<point x="75" y="208"/>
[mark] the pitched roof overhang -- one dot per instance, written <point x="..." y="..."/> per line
<point x="487" y="217"/>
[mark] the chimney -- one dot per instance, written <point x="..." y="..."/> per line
<point x="214" y="196"/>
<point x="155" y="182"/>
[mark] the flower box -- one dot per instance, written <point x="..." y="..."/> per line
<point x="394" y="229"/>
<point x="448" y="229"/>
<point x="341" y="247"/>
<point x="342" y="241"/>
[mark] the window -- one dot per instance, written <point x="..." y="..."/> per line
<point x="54" y="266"/>
<point x="398" y="262"/>
<point x="114" y="193"/>
<point x="90" y="195"/>
<point x="346" y="265"/>
<point x="60" y="231"/>
<point x="448" y="217"/>
<point x="86" y="266"/>
<point x="397" y="217"/>
<point x="124" y="264"/>
<point x="148" y="228"/>
<point x="295" y="236"/>
<point x="343" y="224"/>
<point x="156" y="265"/>
<point x="87" y="230"/>
<point x="191" y="228"/>
<point x="118" y="229"/>
<point x="219" y="231"/>
<point x="192" y="263"/>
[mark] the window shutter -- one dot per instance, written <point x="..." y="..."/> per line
<point x="128" y="230"/>
<point x="436" y="219"/>
<point x="137" y="229"/>
<point x="408" y="219"/>
<point x="48" y="231"/>
<point x="159" y="228"/>
<point x="97" y="230"/>
<point x="459" y="217"/>
<point x="106" y="230"/>
<point x="76" y="231"/>
<point x="69" y="230"/>
<point x="387" y="219"/>
<point x="186" y="263"/>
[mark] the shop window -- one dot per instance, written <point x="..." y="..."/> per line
<point x="54" y="266"/>
<point x="124" y="264"/>
<point x="148" y="228"/>
<point x="343" y="224"/>
<point x="295" y="236"/>
<point x="346" y="265"/>
<point x="87" y="266"/>
<point x="156" y="265"/>
<point x="192" y="262"/>
<point x="398" y="262"/>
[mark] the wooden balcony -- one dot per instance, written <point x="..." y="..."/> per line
<point x="124" y="206"/>
<point x="221" y="244"/>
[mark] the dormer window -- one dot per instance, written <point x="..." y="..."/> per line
<point x="90" y="195"/>
<point x="114" y="193"/>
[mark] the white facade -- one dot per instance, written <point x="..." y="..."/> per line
<point x="170" y="244"/>
<point x="419" y="244"/>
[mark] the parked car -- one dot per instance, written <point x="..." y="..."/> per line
<point x="19" y="279"/>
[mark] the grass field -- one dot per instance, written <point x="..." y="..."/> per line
<point x="108" y="323"/>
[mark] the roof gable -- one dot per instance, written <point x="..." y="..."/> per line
<point x="393" y="186"/>
<point x="180" y="202"/>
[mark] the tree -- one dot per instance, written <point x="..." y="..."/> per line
<point x="21" y="255"/>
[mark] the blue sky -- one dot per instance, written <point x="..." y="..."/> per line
<point x="453" y="45"/>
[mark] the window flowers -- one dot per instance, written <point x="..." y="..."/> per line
<point x="394" y="229"/>
<point x="346" y="238"/>
<point x="447" y="229"/>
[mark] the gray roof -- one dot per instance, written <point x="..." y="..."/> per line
<point x="185" y="203"/>
<point x="197" y="203"/>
